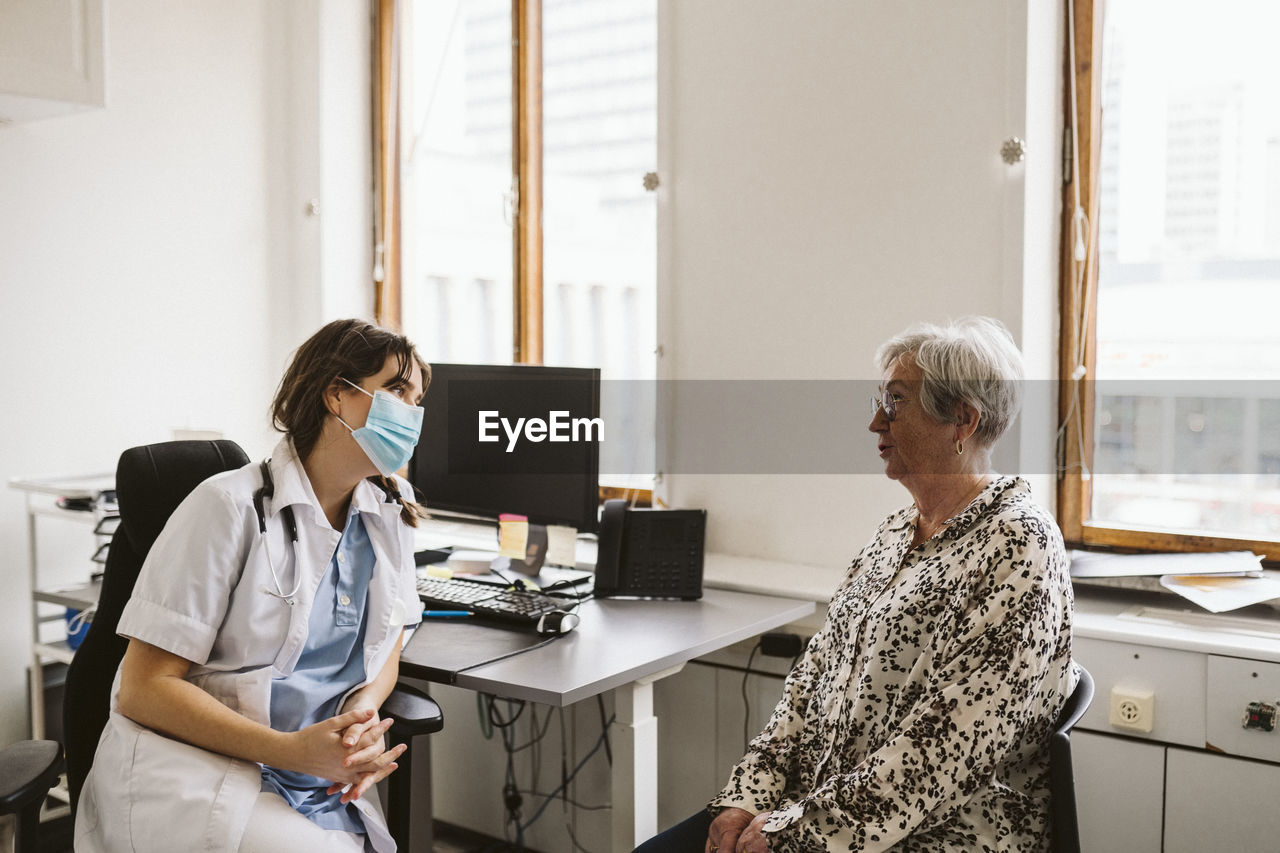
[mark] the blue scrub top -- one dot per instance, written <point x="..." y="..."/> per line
<point x="331" y="664"/>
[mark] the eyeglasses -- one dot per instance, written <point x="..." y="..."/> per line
<point x="889" y="404"/>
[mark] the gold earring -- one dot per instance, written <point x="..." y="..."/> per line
<point x="959" y="447"/>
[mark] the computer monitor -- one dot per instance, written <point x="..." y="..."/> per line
<point x="483" y="453"/>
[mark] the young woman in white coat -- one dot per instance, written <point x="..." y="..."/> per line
<point x="266" y="625"/>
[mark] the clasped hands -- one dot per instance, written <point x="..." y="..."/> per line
<point x="348" y="750"/>
<point x="736" y="830"/>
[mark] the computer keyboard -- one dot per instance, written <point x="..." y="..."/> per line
<point x="523" y="607"/>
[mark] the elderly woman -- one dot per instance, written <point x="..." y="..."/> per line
<point x="918" y="717"/>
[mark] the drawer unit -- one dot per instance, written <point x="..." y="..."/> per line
<point x="1234" y="683"/>
<point x="1119" y="793"/>
<point x="1218" y="803"/>
<point x="1175" y="678"/>
<point x="1199" y="781"/>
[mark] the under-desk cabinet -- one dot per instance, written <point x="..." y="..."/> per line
<point x="1119" y="793"/>
<point x="1162" y="759"/>
<point x="702" y="716"/>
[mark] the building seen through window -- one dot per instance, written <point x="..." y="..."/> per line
<point x="1187" y="418"/>
<point x="599" y="119"/>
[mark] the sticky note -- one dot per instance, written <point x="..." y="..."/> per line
<point x="562" y="545"/>
<point x="513" y="535"/>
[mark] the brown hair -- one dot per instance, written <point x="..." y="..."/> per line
<point x="343" y="349"/>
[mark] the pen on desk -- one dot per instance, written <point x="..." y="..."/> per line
<point x="445" y="614"/>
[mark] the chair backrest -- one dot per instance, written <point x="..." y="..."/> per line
<point x="150" y="483"/>
<point x="1062" y="782"/>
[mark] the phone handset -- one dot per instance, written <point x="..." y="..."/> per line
<point x="609" y="548"/>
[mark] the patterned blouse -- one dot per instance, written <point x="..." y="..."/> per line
<point x="918" y="717"/>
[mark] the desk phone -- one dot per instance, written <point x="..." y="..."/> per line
<point x="650" y="553"/>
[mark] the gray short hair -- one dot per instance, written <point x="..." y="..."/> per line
<point x="972" y="360"/>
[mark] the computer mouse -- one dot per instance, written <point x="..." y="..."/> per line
<point x="557" y="622"/>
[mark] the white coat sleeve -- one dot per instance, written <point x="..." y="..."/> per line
<point x="186" y="582"/>
<point x="413" y="604"/>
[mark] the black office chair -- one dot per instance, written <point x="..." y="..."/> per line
<point x="150" y="483"/>
<point x="1062" y="783"/>
<point x="28" y="769"/>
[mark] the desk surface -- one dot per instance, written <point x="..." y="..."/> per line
<point x="618" y="642"/>
<point x="1166" y="621"/>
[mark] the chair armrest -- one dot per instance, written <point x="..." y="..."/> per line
<point x="414" y="712"/>
<point x="28" y="769"/>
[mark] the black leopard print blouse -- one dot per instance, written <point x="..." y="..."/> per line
<point x="918" y="716"/>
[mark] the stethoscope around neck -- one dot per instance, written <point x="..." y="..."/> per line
<point x="268" y="491"/>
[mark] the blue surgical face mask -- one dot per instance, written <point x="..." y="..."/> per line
<point x="389" y="433"/>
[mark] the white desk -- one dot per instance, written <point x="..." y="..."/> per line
<point x="622" y="646"/>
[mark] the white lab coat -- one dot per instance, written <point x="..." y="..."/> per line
<point x="202" y="595"/>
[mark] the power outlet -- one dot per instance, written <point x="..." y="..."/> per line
<point x="1132" y="708"/>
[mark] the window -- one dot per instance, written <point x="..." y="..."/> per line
<point x="1172" y="284"/>
<point x="527" y="129"/>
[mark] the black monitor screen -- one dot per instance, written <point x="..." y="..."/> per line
<point x="520" y="439"/>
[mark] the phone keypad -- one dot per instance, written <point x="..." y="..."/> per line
<point x="664" y="554"/>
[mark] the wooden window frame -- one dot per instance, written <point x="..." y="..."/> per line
<point x="526" y="153"/>
<point x="526" y="169"/>
<point x="1079" y="317"/>
<point x="386" y="170"/>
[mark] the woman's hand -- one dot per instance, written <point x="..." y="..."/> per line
<point x="753" y="839"/>
<point x="319" y="749"/>
<point x="358" y="737"/>
<point x="364" y="738"/>
<point x="366" y="745"/>
<point x="726" y="828"/>
<point x="371" y="773"/>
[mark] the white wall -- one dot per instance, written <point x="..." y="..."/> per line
<point x="831" y="175"/>
<point x="156" y="262"/>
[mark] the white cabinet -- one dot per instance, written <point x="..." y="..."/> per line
<point x="1119" y="793"/>
<point x="1235" y="684"/>
<point x="1147" y="798"/>
<point x="51" y="57"/>
<point x="1215" y="802"/>
<point x="1172" y="789"/>
<point x="700" y="714"/>
<point x="1175" y="677"/>
<point x="689" y="721"/>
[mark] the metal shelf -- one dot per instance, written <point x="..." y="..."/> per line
<point x="52" y="510"/>
<point x="58" y="651"/>
<point x="87" y="486"/>
<point x="76" y="597"/>
<point x="101" y="516"/>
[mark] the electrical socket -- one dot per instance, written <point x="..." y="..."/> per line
<point x="1132" y="708"/>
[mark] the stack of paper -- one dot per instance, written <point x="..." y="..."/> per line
<point x="1217" y="582"/>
